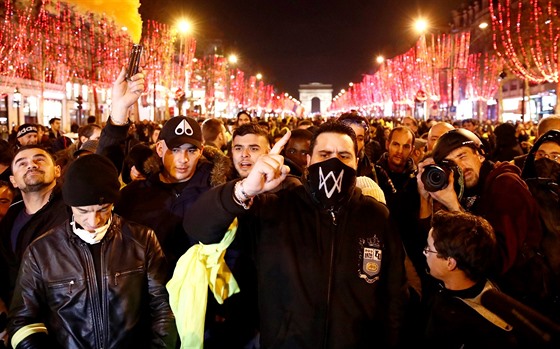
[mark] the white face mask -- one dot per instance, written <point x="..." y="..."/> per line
<point x="89" y="237"/>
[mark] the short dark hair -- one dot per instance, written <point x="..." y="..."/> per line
<point x="87" y="130"/>
<point x="355" y="119"/>
<point x="469" y="239"/>
<point x="334" y="127"/>
<point x="252" y="128"/>
<point x="472" y="121"/>
<point x="51" y="121"/>
<point x="414" y="121"/>
<point x="211" y="129"/>
<point x="401" y="128"/>
<point x="304" y="134"/>
<point x="9" y="186"/>
<point x="33" y="146"/>
<point x="305" y="122"/>
<point x="243" y="112"/>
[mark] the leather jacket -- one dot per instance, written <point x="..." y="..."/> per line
<point x="57" y="286"/>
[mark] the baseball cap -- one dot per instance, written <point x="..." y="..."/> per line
<point x="454" y="139"/>
<point x="180" y="130"/>
<point x="25" y="129"/>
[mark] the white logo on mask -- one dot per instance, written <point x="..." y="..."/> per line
<point x="184" y="129"/>
<point x="337" y="182"/>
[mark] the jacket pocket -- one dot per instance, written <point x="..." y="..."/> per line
<point x="128" y="276"/>
<point x="61" y="292"/>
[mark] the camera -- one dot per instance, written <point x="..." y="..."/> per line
<point x="436" y="177"/>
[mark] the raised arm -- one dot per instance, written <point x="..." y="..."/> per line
<point x="125" y="94"/>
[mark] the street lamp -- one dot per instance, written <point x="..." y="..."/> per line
<point x="232" y="59"/>
<point x="17" y="103"/>
<point x="421" y="25"/>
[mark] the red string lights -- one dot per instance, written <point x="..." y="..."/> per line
<point x="526" y="36"/>
<point x="440" y="67"/>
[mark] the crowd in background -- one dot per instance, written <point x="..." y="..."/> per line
<point x="391" y="152"/>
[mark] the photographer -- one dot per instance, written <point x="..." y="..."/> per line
<point x="496" y="192"/>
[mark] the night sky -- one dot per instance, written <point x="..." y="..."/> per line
<point x="293" y="42"/>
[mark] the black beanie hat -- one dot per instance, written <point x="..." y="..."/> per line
<point x="454" y="139"/>
<point x="90" y="180"/>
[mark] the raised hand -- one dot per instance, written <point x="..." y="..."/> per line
<point x="125" y="93"/>
<point x="269" y="170"/>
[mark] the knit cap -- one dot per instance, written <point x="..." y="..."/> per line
<point x="25" y="129"/>
<point x="370" y="188"/>
<point x="90" y="180"/>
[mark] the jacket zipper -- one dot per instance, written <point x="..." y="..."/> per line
<point x="92" y="282"/>
<point x="330" y="280"/>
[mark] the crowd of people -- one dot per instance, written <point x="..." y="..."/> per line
<point x="342" y="232"/>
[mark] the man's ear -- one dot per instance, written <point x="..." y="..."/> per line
<point x="451" y="263"/>
<point x="13" y="181"/>
<point x="57" y="171"/>
<point x="160" y="148"/>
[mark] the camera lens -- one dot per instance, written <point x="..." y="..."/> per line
<point x="435" y="177"/>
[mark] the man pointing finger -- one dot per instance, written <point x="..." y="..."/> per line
<point x="329" y="263"/>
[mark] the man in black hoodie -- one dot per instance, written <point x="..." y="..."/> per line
<point x="542" y="175"/>
<point x="330" y="264"/>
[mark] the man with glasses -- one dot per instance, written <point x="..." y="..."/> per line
<point x="542" y="175"/>
<point x="460" y="251"/>
<point x="496" y="192"/>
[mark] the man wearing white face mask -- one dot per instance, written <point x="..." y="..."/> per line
<point x="97" y="280"/>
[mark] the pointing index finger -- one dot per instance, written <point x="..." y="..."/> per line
<point x="280" y="144"/>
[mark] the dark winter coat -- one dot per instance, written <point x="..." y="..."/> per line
<point x="503" y="198"/>
<point x="53" y="213"/>
<point x="325" y="281"/>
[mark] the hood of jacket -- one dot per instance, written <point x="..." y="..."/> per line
<point x="222" y="169"/>
<point x="529" y="169"/>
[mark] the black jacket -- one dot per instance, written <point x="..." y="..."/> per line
<point x="57" y="286"/>
<point x="323" y="282"/>
<point x="53" y="213"/>
<point x="162" y="206"/>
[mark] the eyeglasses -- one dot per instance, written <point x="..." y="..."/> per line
<point x="541" y="154"/>
<point x="427" y="250"/>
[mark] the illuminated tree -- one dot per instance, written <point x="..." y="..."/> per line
<point x="526" y="35"/>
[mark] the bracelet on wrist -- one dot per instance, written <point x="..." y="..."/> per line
<point x="242" y="190"/>
<point x="118" y="123"/>
<point x="240" y="197"/>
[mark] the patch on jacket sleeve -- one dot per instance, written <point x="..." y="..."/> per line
<point x="370" y="255"/>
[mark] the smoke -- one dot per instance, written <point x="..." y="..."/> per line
<point x="123" y="12"/>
